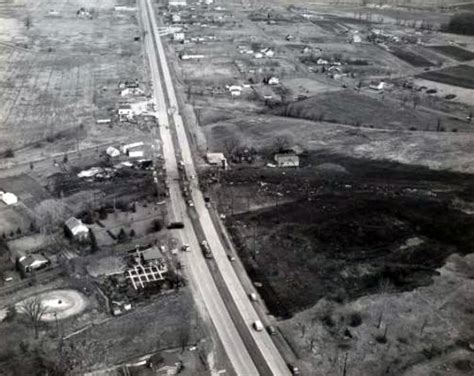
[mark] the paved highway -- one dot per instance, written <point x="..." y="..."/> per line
<point x="204" y="289"/>
<point x="258" y="352"/>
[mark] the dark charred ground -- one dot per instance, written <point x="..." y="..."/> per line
<point x="346" y="235"/>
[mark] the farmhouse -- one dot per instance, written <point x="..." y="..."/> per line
<point x="32" y="262"/>
<point x="76" y="228"/>
<point x="150" y="254"/>
<point x="287" y="160"/>
<point x="131" y="91"/>
<point x="165" y="364"/>
<point x="217" y="159"/>
<point x="125" y="111"/>
<point x="8" y="198"/>
<point x="178" y="36"/>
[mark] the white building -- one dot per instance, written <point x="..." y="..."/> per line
<point x="112" y="152"/>
<point x="9" y="198"/>
<point x="177" y="3"/>
<point x="178" y="37"/>
<point x="217" y="159"/>
<point x="274" y="81"/>
<point x="287" y="160"/>
<point x="76" y="228"/>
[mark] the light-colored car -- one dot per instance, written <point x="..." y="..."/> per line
<point x="186" y="248"/>
<point x="190" y="203"/>
<point x="258" y="326"/>
<point x="231" y="258"/>
<point x="253" y="297"/>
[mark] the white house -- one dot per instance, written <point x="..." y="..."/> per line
<point x="135" y="153"/>
<point x="287" y="160"/>
<point x="274" y="81"/>
<point x="77" y="229"/>
<point x="125" y="148"/>
<point x="178" y="37"/>
<point x="380" y="86"/>
<point x="217" y="159"/>
<point x="356" y="38"/>
<point x="131" y="91"/>
<point x="125" y="111"/>
<point x="177" y="3"/>
<point x="268" y="52"/>
<point x="175" y="18"/>
<point x="9" y="198"/>
<point x="32" y="262"/>
<point x="112" y="152"/>
<point x="322" y="62"/>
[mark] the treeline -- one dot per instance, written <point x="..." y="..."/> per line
<point x="462" y="23"/>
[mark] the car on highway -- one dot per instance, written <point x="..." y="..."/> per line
<point x="231" y="258"/>
<point x="293" y="369"/>
<point x="258" y="326"/>
<point x="271" y="330"/>
<point x="186" y="248"/>
<point x="253" y="297"/>
<point x="190" y="203"/>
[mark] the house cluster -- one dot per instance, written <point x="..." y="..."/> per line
<point x="134" y="103"/>
<point x="381" y="36"/>
<point x="264" y="52"/>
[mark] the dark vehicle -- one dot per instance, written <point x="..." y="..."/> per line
<point x="206" y="250"/>
<point x="294" y="370"/>
<point x="271" y="330"/>
<point x="175" y="225"/>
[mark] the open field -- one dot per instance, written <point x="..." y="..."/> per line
<point x="55" y="68"/>
<point x="368" y="112"/>
<point x="411" y="57"/>
<point x="461" y="75"/>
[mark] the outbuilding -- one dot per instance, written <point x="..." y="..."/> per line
<point x="32" y="262"/>
<point x="217" y="159"/>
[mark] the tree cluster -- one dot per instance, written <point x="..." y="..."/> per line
<point x="462" y="23"/>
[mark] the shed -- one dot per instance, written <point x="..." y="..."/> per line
<point x="356" y="38"/>
<point x="76" y="228"/>
<point x="9" y="198"/>
<point x="287" y="160"/>
<point x="151" y="254"/>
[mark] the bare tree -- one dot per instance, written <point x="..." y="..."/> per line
<point x="34" y="310"/>
<point x="282" y="142"/>
<point x="230" y="144"/>
<point x="49" y="214"/>
<point x="28" y="22"/>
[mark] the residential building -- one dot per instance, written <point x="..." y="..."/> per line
<point x="32" y="262"/>
<point x="217" y="159"/>
<point x="77" y="229"/>
<point x="287" y="160"/>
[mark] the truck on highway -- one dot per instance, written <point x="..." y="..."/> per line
<point x="175" y="225"/>
<point x="206" y="250"/>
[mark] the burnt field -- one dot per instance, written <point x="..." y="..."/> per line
<point x="349" y="241"/>
<point x="411" y="57"/>
<point x="462" y="76"/>
<point x="454" y="52"/>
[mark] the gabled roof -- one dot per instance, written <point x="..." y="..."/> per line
<point x="35" y="258"/>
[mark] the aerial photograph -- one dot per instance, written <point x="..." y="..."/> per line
<point x="236" y="187"/>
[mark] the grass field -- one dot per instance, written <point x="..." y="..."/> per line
<point x="461" y="75"/>
<point x="454" y="52"/>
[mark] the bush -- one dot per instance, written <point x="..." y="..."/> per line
<point x="156" y="225"/>
<point x="355" y="319"/>
<point x="9" y="153"/>
<point x="132" y="233"/>
<point x="122" y="236"/>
